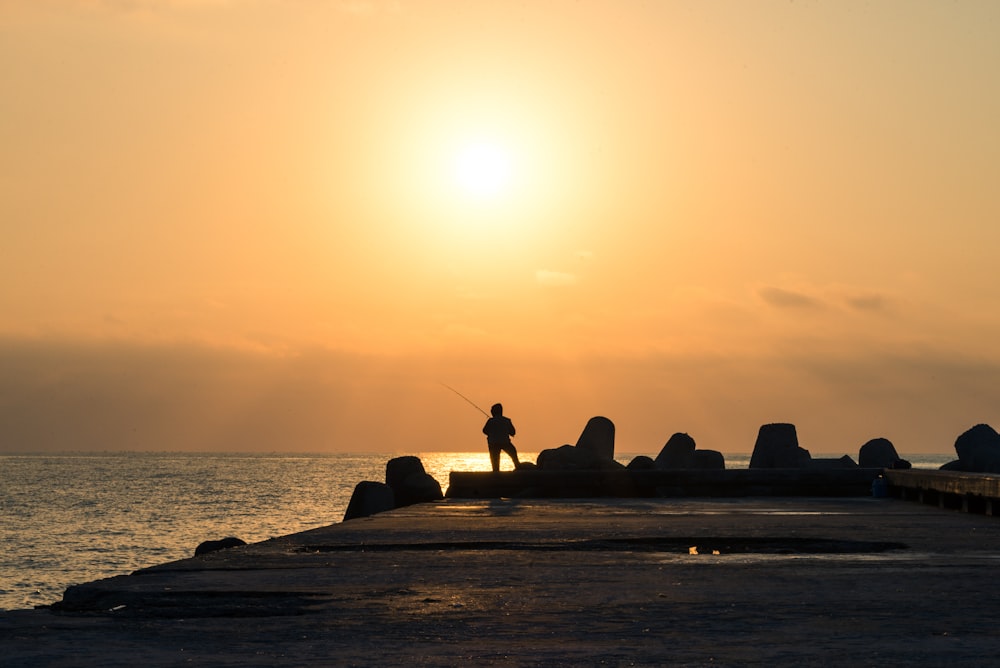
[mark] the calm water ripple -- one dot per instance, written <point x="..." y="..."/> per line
<point x="68" y="519"/>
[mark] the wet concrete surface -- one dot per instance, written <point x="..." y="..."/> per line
<point x="732" y="582"/>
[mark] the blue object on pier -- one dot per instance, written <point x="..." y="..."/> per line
<point x="880" y="488"/>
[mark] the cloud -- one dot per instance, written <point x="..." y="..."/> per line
<point x="787" y="299"/>
<point x="554" y="278"/>
<point x="871" y="302"/>
<point x="833" y="297"/>
<point x="94" y="396"/>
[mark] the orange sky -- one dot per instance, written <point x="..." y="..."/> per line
<point x="249" y="225"/>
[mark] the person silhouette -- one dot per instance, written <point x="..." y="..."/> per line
<point x="498" y="430"/>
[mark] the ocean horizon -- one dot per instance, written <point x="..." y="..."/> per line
<point x="75" y="517"/>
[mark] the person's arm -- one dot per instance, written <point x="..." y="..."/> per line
<point x="511" y="423"/>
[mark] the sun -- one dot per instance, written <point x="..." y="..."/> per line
<point x="482" y="169"/>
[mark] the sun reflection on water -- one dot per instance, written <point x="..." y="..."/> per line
<point x="440" y="464"/>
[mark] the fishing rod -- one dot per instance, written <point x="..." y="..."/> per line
<point x="466" y="398"/>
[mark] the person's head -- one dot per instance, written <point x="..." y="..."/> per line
<point x="497" y="410"/>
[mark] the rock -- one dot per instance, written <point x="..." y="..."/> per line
<point x="216" y="545"/>
<point x="566" y="458"/>
<point x="901" y="464"/>
<point x="979" y="449"/>
<point x="598" y="437"/>
<point x="368" y="499"/>
<point x="678" y="453"/>
<point x="641" y="463"/>
<point x="609" y="465"/>
<point x="417" y="488"/>
<point x="399" y="469"/>
<point x="709" y="459"/>
<point x="409" y="481"/>
<point x="877" y="453"/>
<point x="594" y="450"/>
<point x="777" y="447"/>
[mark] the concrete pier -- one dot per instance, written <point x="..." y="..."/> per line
<point x="662" y="483"/>
<point x="675" y="581"/>
<point x="969" y="492"/>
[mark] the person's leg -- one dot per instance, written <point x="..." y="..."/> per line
<point x="512" y="451"/>
<point x="495" y="457"/>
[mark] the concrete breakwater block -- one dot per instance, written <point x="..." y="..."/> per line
<point x="777" y="447"/>
<point x="678" y="453"/>
<point x="369" y="498"/>
<point x="598" y="437"/>
<point x="406" y="483"/>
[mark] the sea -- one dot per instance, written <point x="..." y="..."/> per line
<point x="71" y="518"/>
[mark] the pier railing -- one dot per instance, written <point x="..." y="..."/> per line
<point x="968" y="492"/>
